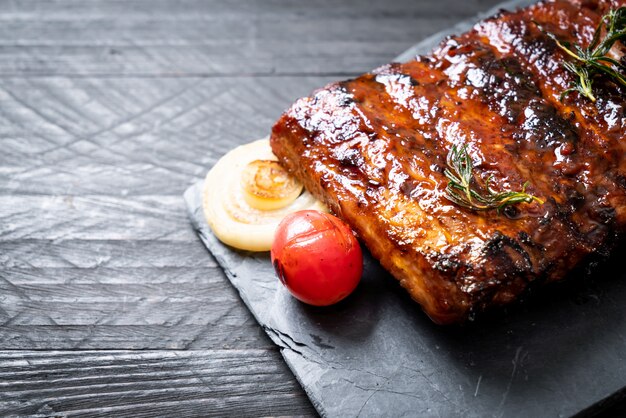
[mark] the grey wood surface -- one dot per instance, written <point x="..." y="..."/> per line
<point x="109" y="303"/>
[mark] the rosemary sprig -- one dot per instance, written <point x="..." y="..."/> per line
<point x="463" y="190"/>
<point x="592" y="61"/>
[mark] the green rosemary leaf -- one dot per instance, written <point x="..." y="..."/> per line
<point x="611" y="61"/>
<point x="592" y="62"/>
<point x="463" y="190"/>
<point x="617" y="77"/>
<point x="596" y="35"/>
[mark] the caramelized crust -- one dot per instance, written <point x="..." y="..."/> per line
<point x="374" y="149"/>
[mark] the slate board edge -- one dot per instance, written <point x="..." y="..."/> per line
<point x="423" y="47"/>
<point x="427" y="44"/>
<point x="191" y="196"/>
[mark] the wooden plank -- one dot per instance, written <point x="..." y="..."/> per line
<point x="123" y="179"/>
<point x="198" y="9"/>
<point x="94" y="217"/>
<point x="217" y="32"/>
<point x="214" y="38"/>
<point x="94" y="254"/>
<point x="170" y="383"/>
<point x="95" y="249"/>
<point x="61" y="112"/>
<point x="133" y="337"/>
<point x="118" y="295"/>
<point x="322" y="58"/>
<point x="87" y="136"/>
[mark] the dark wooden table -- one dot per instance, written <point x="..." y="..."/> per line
<point x="109" y="303"/>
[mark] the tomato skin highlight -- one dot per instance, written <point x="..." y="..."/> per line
<point x="317" y="257"/>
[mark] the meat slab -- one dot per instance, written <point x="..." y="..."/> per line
<point x="374" y="149"/>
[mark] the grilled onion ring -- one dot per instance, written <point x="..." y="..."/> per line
<point x="243" y="214"/>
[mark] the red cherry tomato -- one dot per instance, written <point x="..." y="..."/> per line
<point x="317" y="257"/>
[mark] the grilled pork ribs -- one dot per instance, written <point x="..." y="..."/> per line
<point x="374" y="149"/>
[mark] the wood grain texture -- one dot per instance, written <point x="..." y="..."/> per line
<point x="89" y="255"/>
<point x="215" y="37"/>
<point x="132" y="295"/>
<point x="93" y="217"/>
<point x="88" y="136"/>
<point x="145" y="384"/>
<point x="108" y="111"/>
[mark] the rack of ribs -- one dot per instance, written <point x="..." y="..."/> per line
<point x="374" y="149"/>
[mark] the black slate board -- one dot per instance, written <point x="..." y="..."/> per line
<point x="562" y="353"/>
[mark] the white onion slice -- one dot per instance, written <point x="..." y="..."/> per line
<point x="229" y="214"/>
